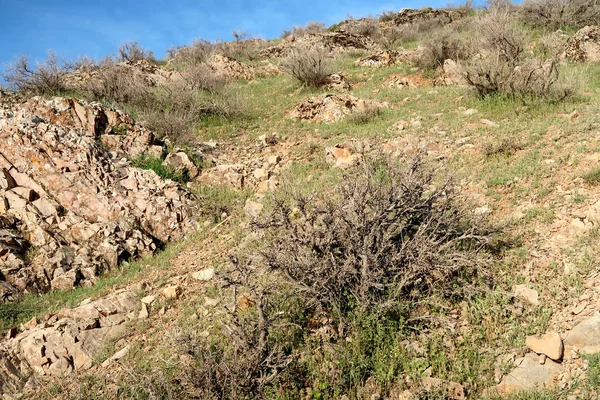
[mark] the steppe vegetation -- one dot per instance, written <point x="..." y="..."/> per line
<point x="402" y="247"/>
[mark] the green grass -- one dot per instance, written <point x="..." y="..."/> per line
<point x="146" y="161"/>
<point x="592" y="177"/>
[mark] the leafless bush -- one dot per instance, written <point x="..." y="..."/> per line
<point x="504" y="67"/>
<point x="311" y="27"/>
<point x="386" y="16"/>
<point x="134" y="52"/>
<point x="366" y="27"/>
<point x="555" y="14"/>
<point x="247" y="356"/>
<point x="388" y="235"/>
<point x="441" y="45"/>
<point x="365" y="115"/>
<point x="199" y="52"/>
<point x="114" y="82"/>
<point x="46" y="78"/>
<point x="309" y="65"/>
<point x="203" y="77"/>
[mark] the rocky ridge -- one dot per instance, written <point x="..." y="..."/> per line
<point x="71" y="204"/>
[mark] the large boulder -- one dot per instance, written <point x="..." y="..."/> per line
<point x="584" y="45"/>
<point x="71" y="205"/>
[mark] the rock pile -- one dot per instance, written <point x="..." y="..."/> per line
<point x="584" y="45"/>
<point x="71" y="205"/>
<point x="334" y="42"/>
<point x="329" y="108"/>
<point x="414" y="16"/>
<point x="67" y="341"/>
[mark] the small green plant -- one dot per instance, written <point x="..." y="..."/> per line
<point x="592" y="177"/>
<point x="146" y="161"/>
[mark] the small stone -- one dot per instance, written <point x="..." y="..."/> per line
<point x="470" y="111"/>
<point x="489" y="123"/>
<point x="210" y="302"/>
<point x="148" y="300"/>
<point x="117" y="356"/>
<point x="549" y="344"/>
<point x="172" y="292"/>
<point x="522" y="292"/>
<point x="204" y="275"/>
<point x="542" y="359"/>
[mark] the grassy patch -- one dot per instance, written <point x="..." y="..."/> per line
<point x="146" y="161"/>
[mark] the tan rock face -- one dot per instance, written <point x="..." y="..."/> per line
<point x="549" y="344"/>
<point x="584" y="45"/>
<point x="71" y="204"/>
<point x="66" y="342"/>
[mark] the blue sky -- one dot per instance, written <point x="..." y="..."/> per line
<point x="96" y="28"/>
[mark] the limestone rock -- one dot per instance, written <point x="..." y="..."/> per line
<point x="329" y="108"/>
<point x="522" y="292"/>
<point x="584" y="45"/>
<point x="530" y="374"/>
<point x="172" y="292"/>
<point x="204" y="275"/>
<point x="81" y="206"/>
<point x="549" y="344"/>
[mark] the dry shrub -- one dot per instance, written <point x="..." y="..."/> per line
<point x="365" y="115"/>
<point x="553" y="44"/>
<point x="366" y="27"/>
<point x="310" y="28"/>
<point x="504" y="67"/>
<point x="443" y="44"/>
<point x="247" y="356"/>
<point x="115" y="82"/>
<point x="134" y="52"/>
<point x="199" y="52"/>
<point x="203" y="77"/>
<point x="387" y="16"/>
<point x="555" y="14"/>
<point x="47" y="78"/>
<point x="386" y="237"/>
<point x="310" y="65"/>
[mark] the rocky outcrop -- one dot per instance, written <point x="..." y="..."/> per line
<point x="230" y="68"/>
<point x="584" y="45"/>
<point x="71" y="205"/>
<point x="413" y="16"/>
<point x="67" y="341"/>
<point x="334" y="42"/>
<point x="329" y="108"/>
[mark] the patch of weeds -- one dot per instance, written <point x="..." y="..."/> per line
<point x="146" y="161"/>
<point x="216" y="201"/>
<point x="365" y="115"/>
<point x="593" y="372"/>
<point x="593" y="176"/>
<point x="120" y="130"/>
